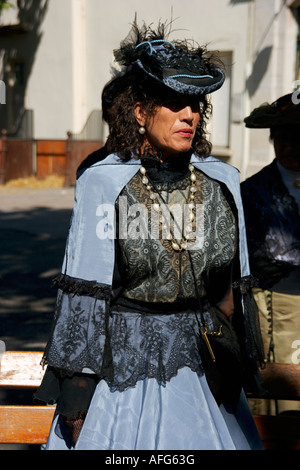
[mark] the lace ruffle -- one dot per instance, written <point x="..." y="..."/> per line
<point x="82" y="287"/>
<point x="251" y="317"/>
<point x="245" y="284"/>
<point x="121" y="347"/>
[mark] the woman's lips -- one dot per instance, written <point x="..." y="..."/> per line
<point x="185" y="132"/>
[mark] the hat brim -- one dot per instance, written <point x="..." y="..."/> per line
<point x="266" y="116"/>
<point x="187" y="84"/>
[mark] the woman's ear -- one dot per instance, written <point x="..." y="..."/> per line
<point x="139" y="114"/>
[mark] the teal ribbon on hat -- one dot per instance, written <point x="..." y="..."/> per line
<point x="185" y="75"/>
<point x="149" y="43"/>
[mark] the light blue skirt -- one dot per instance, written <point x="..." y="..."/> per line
<point x="183" y="415"/>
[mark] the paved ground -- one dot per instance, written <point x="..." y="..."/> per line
<point x="33" y="229"/>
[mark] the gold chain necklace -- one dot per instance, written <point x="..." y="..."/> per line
<point x="183" y="243"/>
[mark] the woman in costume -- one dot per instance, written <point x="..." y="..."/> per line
<point x="146" y="352"/>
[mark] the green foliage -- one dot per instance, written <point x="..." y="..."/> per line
<point x="4" y="5"/>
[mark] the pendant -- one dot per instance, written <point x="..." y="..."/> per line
<point x="204" y="334"/>
<point x="175" y="246"/>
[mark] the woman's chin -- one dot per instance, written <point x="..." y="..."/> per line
<point x="176" y="150"/>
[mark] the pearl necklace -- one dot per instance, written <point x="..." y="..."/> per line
<point x="183" y="244"/>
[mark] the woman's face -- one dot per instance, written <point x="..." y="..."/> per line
<point x="172" y="127"/>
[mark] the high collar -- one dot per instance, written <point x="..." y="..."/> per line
<point x="169" y="171"/>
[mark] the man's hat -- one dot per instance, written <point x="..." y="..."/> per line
<point x="285" y="110"/>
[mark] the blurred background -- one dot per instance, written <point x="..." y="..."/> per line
<point x="55" y="57"/>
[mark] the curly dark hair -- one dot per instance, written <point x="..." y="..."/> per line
<point x="125" y="90"/>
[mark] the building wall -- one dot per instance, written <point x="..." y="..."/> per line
<point x="50" y="85"/>
<point x="272" y="72"/>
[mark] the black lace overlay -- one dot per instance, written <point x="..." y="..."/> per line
<point x="152" y="271"/>
<point x="153" y="346"/>
<point x="78" y="338"/>
<point x="121" y="346"/>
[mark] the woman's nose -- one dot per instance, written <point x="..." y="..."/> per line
<point x="187" y="113"/>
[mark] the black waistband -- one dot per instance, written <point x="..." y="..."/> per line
<point x="162" y="308"/>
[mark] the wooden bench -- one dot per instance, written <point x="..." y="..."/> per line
<point x="23" y="424"/>
<point x="31" y="424"/>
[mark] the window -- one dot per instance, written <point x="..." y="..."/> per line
<point x="219" y="127"/>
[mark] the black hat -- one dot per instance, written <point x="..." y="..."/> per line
<point x="177" y="68"/>
<point x="285" y="110"/>
<point x="177" y="65"/>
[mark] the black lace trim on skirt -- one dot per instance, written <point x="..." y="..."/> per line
<point x="121" y="347"/>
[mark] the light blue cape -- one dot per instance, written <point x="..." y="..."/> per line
<point x="90" y="251"/>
